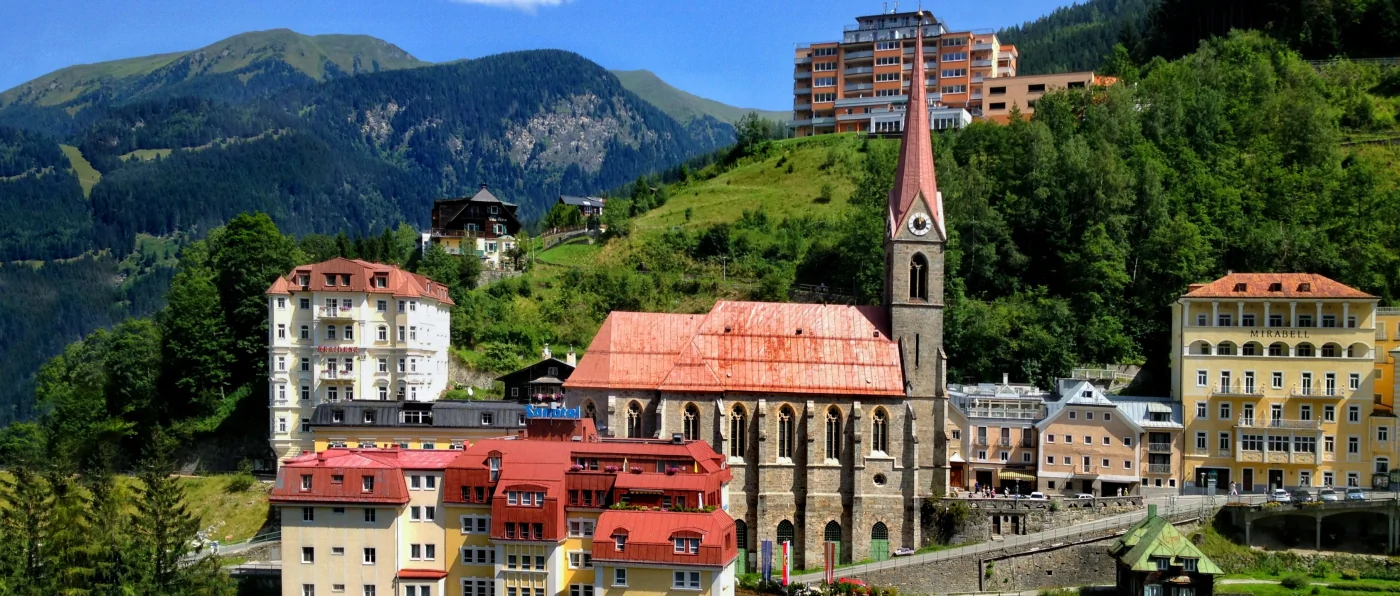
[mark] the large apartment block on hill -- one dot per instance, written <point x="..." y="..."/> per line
<point x="862" y="81"/>
<point x="1276" y="375"/>
<point x="346" y="330"/>
<point x="557" y="510"/>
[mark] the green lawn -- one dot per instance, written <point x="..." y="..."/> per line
<point x="578" y="254"/>
<point x="145" y="154"/>
<point x="88" y="176"/>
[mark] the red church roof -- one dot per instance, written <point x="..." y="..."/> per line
<point x="748" y="347"/>
<point x="914" y="175"/>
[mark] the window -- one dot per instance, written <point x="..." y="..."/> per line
<point x="1201" y="409"/>
<point x="1037" y="88"/>
<point x="367" y="483"/>
<point x="1329" y="444"/>
<point x="997" y="91"/>
<point x="1050" y="438"/>
<point x="1353" y="414"/>
<point x="1276" y="379"/>
<point x="997" y="105"/>
<point x="785" y="432"/>
<point x="954" y="56"/>
<point x="369" y="590"/>
<point x="1382" y="433"/>
<point x="833" y="433"/>
<point x="1049" y="460"/>
<point x="415" y="514"/>
<point x="580" y="590"/>
<point x="1353" y="445"/>
<point x="1072" y="415"/>
<point x="686" y="580"/>
<point x="738" y="425"/>
<point x="1224" y="410"/>
<point x="1354" y="381"/>
<point x="1329" y="413"/>
<point x="308" y="590"/>
<point x="1200" y="441"/>
<point x="918" y="277"/>
<point x="690" y="423"/>
<point x="308" y="554"/>
<point x="369" y="515"/>
<point x="620" y="577"/>
<point x="620" y="542"/>
<point x="824" y="82"/>
<point x="952" y="89"/>
<point x="1224" y="442"/>
<point x="1251" y="442"/>
<point x="879" y="432"/>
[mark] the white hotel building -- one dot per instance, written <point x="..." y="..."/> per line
<point x="351" y="330"/>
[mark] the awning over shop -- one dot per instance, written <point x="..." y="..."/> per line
<point x="1016" y="475"/>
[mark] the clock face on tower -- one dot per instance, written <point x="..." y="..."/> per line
<point x="919" y="224"/>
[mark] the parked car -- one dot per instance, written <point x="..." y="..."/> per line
<point x="1279" y="496"/>
<point x="1301" y="496"/>
<point x="1355" y="494"/>
<point x="1037" y="495"/>
<point x="1327" y="495"/>
<point x="1083" y="496"/>
<point x="903" y="551"/>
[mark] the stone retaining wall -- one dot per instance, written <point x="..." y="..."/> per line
<point x="1021" y="516"/>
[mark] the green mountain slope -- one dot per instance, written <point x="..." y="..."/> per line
<point x="238" y="60"/>
<point x="685" y="106"/>
<point x="1075" y="37"/>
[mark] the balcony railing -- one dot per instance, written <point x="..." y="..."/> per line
<point x="980" y="441"/>
<point x="1159" y="447"/>
<point x="978" y="47"/>
<point x="1004" y="442"/>
<point x="1262" y="422"/>
<point x="802" y="90"/>
<point x="861" y="55"/>
<point x="337" y="375"/>
<point x="445" y="233"/>
<point x="1315" y="391"/>
<point x="802" y="76"/>
<point x="335" y="312"/>
<point x="803" y="60"/>
<point x="981" y="63"/>
<point x="1159" y="468"/>
<point x="859" y="70"/>
<point x="860" y="87"/>
<point x="1027" y="443"/>
<point x="1238" y="389"/>
<point x="822" y="121"/>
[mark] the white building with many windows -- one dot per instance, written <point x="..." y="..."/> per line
<point x="345" y="330"/>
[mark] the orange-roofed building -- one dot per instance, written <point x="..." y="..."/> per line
<point x="830" y="417"/>
<point x="1276" y="375"/>
<point x="346" y="330"/>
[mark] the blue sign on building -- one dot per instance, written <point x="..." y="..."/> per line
<point x="552" y="413"/>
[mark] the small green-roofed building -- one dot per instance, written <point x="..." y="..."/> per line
<point x="1155" y="559"/>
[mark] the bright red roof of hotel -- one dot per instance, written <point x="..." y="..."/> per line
<point x="649" y="537"/>
<point x="746" y="347"/>
<point x="385" y="466"/>
<point x="398" y="283"/>
<point x="1274" y="285"/>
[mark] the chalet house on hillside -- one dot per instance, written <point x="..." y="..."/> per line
<point x="482" y="225"/>
<point x="1155" y="559"/>
<point x="587" y="206"/>
<point x="541" y="382"/>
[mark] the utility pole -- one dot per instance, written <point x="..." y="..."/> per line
<point x="723" y="268"/>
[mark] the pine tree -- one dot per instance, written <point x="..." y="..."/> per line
<point x="25" y="523"/>
<point x="112" y="560"/>
<point x="165" y="531"/>
<point x="72" y="544"/>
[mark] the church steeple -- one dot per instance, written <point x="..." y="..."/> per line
<point x="914" y="176"/>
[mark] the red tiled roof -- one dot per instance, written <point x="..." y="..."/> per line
<point x="399" y="283"/>
<point x="421" y="574"/>
<point x="914" y="174"/>
<point x="384" y="465"/>
<point x="749" y="347"/>
<point x="649" y="536"/>
<point x="1274" y="285"/>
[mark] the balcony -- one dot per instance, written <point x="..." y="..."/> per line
<point x="1280" y="423"/>
<point x="800" y="90"/>
<point x="863" y="54"/>
<point x="331" y="374"/>
<point x="979" y="47"/>
<point x="860" y="87"/>
<point x="980" y="441"/>
<point x="1006" y="71"/>
<point x="335" y="312"/>
<point x="1159" y="468"/>
<point x="801" y="107"/>
<point x="823" y="121"/>
<point x="1027" y="443"/>
<point x="859" y="70"/>
<point x="1236" y="390"/>
<point x="803" y="60"/>
<point x="1159" y="447"/>
<point x="981" y="63"/>
<point x="852" y="117"/>
<point x="1003" y="442"/>
<point x="927" y="66"/>
<point x="1314" y="391"/>
<point x="802" y="76"/>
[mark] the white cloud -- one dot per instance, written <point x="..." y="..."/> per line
<point x="529" y="6"/>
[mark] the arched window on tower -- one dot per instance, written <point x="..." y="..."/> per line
<point x="590" y="412"/>
<point x="634" y="421"/>
<point x="918" y="277"/>
<point x="785" y="429"/>
<point x="691" y="425"/>
<point x="833" y="433"/>
<point x="738" y="431"/>
<point x="879" y="432"/>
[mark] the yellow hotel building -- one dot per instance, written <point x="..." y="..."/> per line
<point x="1387" y="352"/>
<point x="1276" y="375"/>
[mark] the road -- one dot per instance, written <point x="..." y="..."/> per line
<point x="1180" y="507"/>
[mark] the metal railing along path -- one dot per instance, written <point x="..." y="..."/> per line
<point x="1175" y="510"/>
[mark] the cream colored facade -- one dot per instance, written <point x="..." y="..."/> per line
<point x="1387" y="352"/>
<point x="350" y="549"/>
<point x="338" y="345"/>
<point x="1278" y="392"/>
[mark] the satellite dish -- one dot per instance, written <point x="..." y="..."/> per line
<point x="470" y="392"/>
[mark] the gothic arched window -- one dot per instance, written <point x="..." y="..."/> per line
<point x="634" y="421"/>
<point x="879" y="432"/>
<point x="738" y="431"/>
<point x="918" y="277"/>
<point x="691" y="425"/>
<point x="785" y="429"/>
<point x="833" y="433"/>
<point x="590" y="412"/>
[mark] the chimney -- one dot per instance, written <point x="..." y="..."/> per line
<point x="483" y="186"/>
<point x="1151" y="511"/>
<point x="1005" y="378"/>
<point x="547" y="353"/>
<point x="571" y="359"/>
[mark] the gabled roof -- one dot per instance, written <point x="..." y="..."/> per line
<point x="1140" y="410"/>
<point x="914" y="175"/>
<point x="746" y="347"/>
<point x="582" y="201"/>
<point x="1079" y="392"/>
<point x="1155" y="537"/>
<point x="354" y="275"/>
<point x="649" y="537"/>
<point x="1274" y="285"/>
<point x="351" y="465"/>
<point x="527" y="373"/>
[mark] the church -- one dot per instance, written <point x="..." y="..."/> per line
<point x="831" y="416"/>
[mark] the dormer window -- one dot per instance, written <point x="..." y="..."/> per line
<point x="369" y="416"/>
<point x="1241" y="287"/>
<point x="337" y="416"/>
<point x="337" y="479"/>
<point x="620" y="542"/>
<point x="304" y="281"/>
<point x="345" y="279"/>
<point x="1305" y="287"/>
<point x="688" y="546"/>
<point x="330" y="279"/>
<point x="1276" y="287"/>
<point x="367" y="484"/>
<point x="305" y="482"/>
<point x="495" y="466"/>
<point x="381" y="281"/>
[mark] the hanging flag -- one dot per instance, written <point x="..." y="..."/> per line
<point x="766" y="558"/>
<point x="787" y="561"/>
<point x="830" y="562"/>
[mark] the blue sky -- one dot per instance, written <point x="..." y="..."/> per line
<point x="738" y="52"/>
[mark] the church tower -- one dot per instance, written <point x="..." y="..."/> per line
<point x="915" y="237"/>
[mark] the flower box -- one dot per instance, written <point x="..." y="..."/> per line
<point x="636" y="469"/>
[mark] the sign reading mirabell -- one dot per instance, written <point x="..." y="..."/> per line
<point x="1279" y="333"/>
<point x="546" y="412"/>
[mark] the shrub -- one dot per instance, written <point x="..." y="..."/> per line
<point x="1054" y="505"/>
<point x="1322" y="569"/>
<point x="242" y="480"/>
<point x="824" y="196"/>
<point x="1294" y="581"/>
<point x="789" y="168"/>
<point x="1351" y="574"/>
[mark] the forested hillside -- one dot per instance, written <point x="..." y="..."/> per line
<point x="1076" y="37"/>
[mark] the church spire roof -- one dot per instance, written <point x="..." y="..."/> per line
<point x="914" y="174"/>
